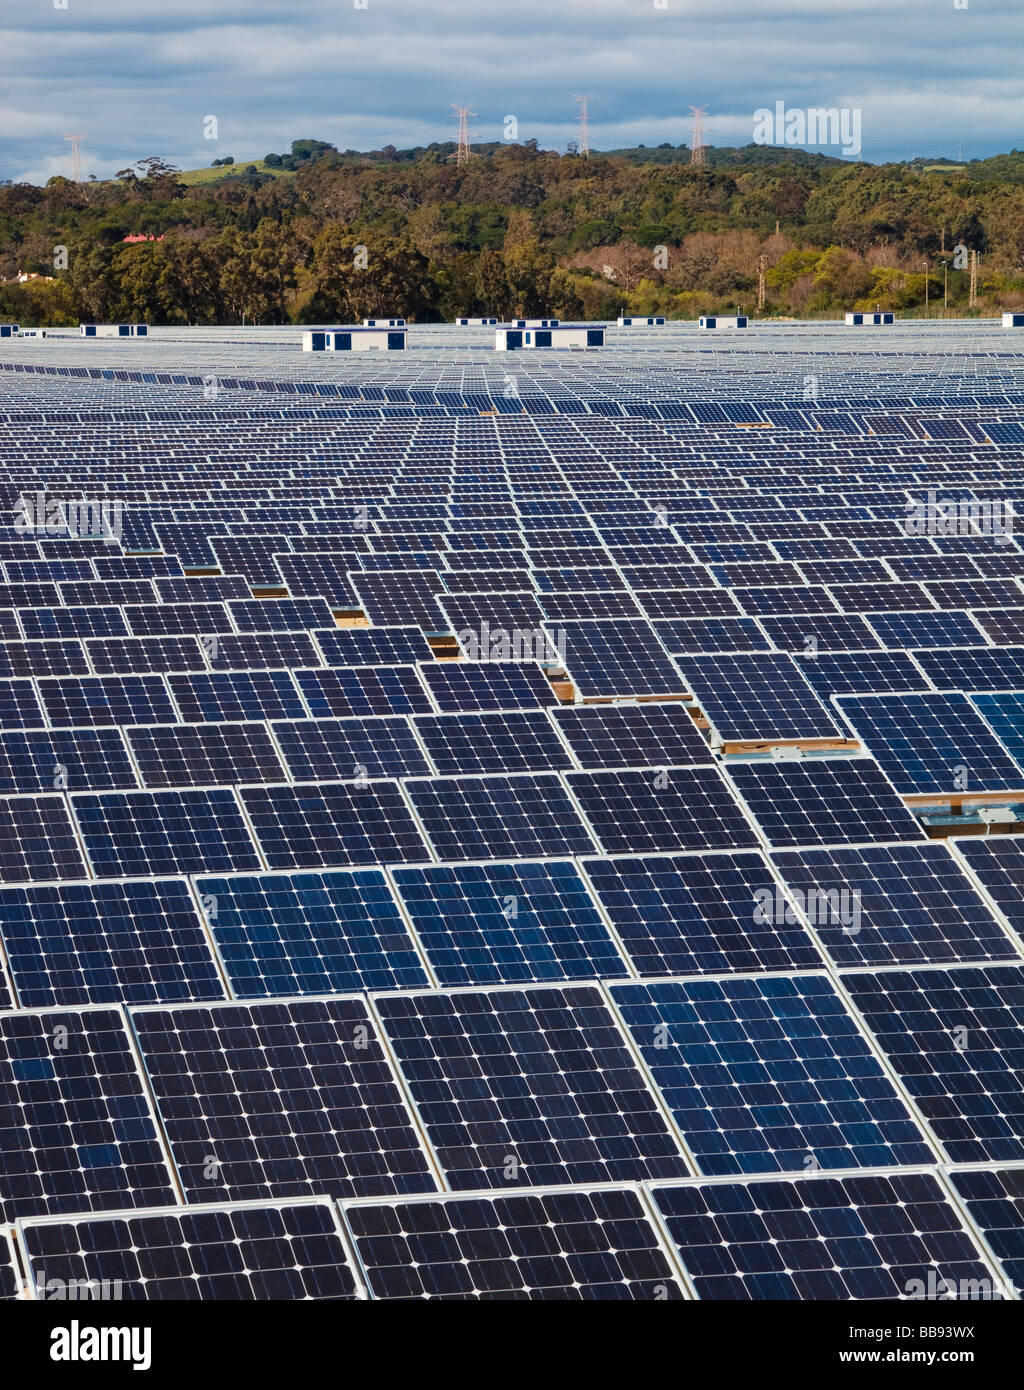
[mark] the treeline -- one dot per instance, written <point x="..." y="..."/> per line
<point x="514" y="230"/>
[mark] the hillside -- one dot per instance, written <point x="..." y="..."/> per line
<point x="516" y="229"/>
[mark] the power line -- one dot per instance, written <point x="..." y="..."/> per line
<point x="76" y="158"/>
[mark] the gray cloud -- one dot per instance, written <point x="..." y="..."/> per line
<point x="139" y="78"/>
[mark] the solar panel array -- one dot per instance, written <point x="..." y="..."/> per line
<point x="461" y="842"/>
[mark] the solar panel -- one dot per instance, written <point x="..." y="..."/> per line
<point x="851" y="673"/>
<point x="893" y="905"/>
<point x="45" y="760"/>
<point x="312" y="1108"/>
<point x="193" y="830"/>
<point x="569" y="1245"/>
<point x="279" y="614"/>
<point x="487" y="924"/>
<point x="332" y="824"/>
<point x="952" y="1037"/>
<point x="768" y="1074"/>
<point x="178" y="619"/>
<point x="188" y="755"/>
<point x="866" y="1238"/>
<point x="401" y="596"/>
<point x="101" y="621"/>
<point x="363" y="690"/>
<point x="993" y="1201"/>
<point x="930" y="629"/>
<point x="932" y="742"/>
<point x="692" y="636"/>
<point x="469" y="686"/>
<point x="495" y="817"/>
<point x="616" y="662"/>
<point x="821" y="632"/>
<point x="750" y="698"/>
<point x="77" y="1132"/>
<point x="97" y="701"/>
<point x="631" y="735"/>
<point x="333" y="749"/>
<point x="312" y="933"/>
<point x="823" y="801"/>
<point x="696" y="914"/>
<point x="266" y="651"/>
<point x="459" y="1053"/>
<point x="496" y="741"/>
<point x="37" y="840"/>
<point x="670" y="808"/>
<point x="376" y="646"/>
<point x="237" y="1253"/>
<point x="219" y="697"/>
<point x="65" y="658"/>
<point x="19" y="706"/>
<point x="133" y="942"/>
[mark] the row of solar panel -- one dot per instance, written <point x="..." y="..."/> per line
<point x="409" y="1093"/>
<point x="158" y="940"/>
<point x="917" y="1234"/>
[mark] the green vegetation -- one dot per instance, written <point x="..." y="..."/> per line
<point x="321" y="235"/>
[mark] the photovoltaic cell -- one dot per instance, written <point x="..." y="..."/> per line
<point x="496" y="741"/>
<point x="322" y="825"/>
<point x="528" y="1087"/>
<point x="487" y="685"/>
<point x="132" y="942"/>
<point x="764" y="696"/>
<point x="288" y="1099"/>
<point x="690" y="914"/>
<point x="671" y="808"/>
<point x="189" y="755"/>
<point x="485" y="924"/>
<point x="823" y="802"/>
<point x="993" y="1198"/>
<point x="810" y="1238"/>
<point x="571" y="1245"/>
<point x="631" y="735"/>
<point x="496" y="817"/>
<point x="189" y="831"/>
<point x="363" y="690"/>
<point x="331" y="933"/>
<point x="762" y="1073"/>
<point x="76" y="1130"/>
<point x="953" y="1036"/>
<point x="37" y="840"/>
<point x="237" y="1253"/>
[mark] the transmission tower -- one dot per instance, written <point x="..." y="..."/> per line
<point x="697" y="140"/>
<point x="463" y="153"/>
<point x="76" y="158"/>
<point x="584" y="140"/>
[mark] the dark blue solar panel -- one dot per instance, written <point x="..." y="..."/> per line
<point x="768" y="1074"/>
<point x="527" y="1087"/>
<point x="312" y="1108"/>
<point x="64" y="759"/>
<point x="576" y="1246"/>
<point x="164" y="832"/>
<point x="484" y="924"/>
<point x="332" y="933"/>
<point x="339" y="749"/>
<point x="993" y="1198"/>
<point x="363" y="690"/>
<point x="854" y="1238"/>
<point x="37" y="840"/>
<point x="133" y="942"/>
<point x="496" y="741"/>
<point x="332" y="824"/>
<point x="496" y="817"/>
<point x="631" y="735"/>
<point x="76" y="1130"/>
<point x="953" y="1037"/>
<point x="206" y="697"/>
<point x="669" y="808"/>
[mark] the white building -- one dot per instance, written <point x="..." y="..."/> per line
<point x="354" y="340"/>
<point x="876" y="319"/>
<point x="383" y="323"/>
<point x="722" y="321"/>
<point x="634" y="322"/>
<point x="534" y="323"/>
<point x="113" y="330"/>
<point x="513" y="337"/>
<point x="1013" y="320"/>
<point x="476" y="323"/>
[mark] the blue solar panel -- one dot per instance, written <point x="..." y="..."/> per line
<point x="236" y="1253"/>
<point x="487" y="685"/>
<point x="331" y="933"/>
<point x="933" y="742"/>
<point x="312" y="1109"/>
<point x="363" y="690"/>
<point x="993" y="1200"/>
<point x="188" y="755"/>
<point x="76" y="1129"/>
<point x="853" y="1238"/>
<point x="631" y="735"/>
<point x="576" y="1246"/>
<point x="78" y="701"/>
<point x="768" y="1074"/>
<point x="496" y="817"/>
<point x="129" y="834"/>
<point x="332" y="749"/>
<point x="37" y="840"/>
<point x="528" y="1087"/>
<point x="669" y="808"/>
<point x="332" y="824"/>
<point x="64" y="759"/>
<point x="484" y="924"/>
<point x="133" y="942"/>
<point x="496" y="741"/>
<point x="764" y="696"/>
<point x="373" y="646"/>
<point x="953" y="1038"/>
<point x="695" y="914"/>
<point x="208" y="697"/>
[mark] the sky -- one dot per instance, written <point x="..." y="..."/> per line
<point x="141" y="77"/>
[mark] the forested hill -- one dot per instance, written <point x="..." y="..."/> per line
<point x="320" y="235"/>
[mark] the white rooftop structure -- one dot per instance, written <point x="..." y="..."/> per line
<point x="511" y="337"/>
<point x="113" y="330"/>
<point x="354" y="340"/>
<point x="877" y="318"/>
<point x="722" y="321"/>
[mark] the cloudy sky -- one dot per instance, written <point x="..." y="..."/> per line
<point x="140" y="76"/>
